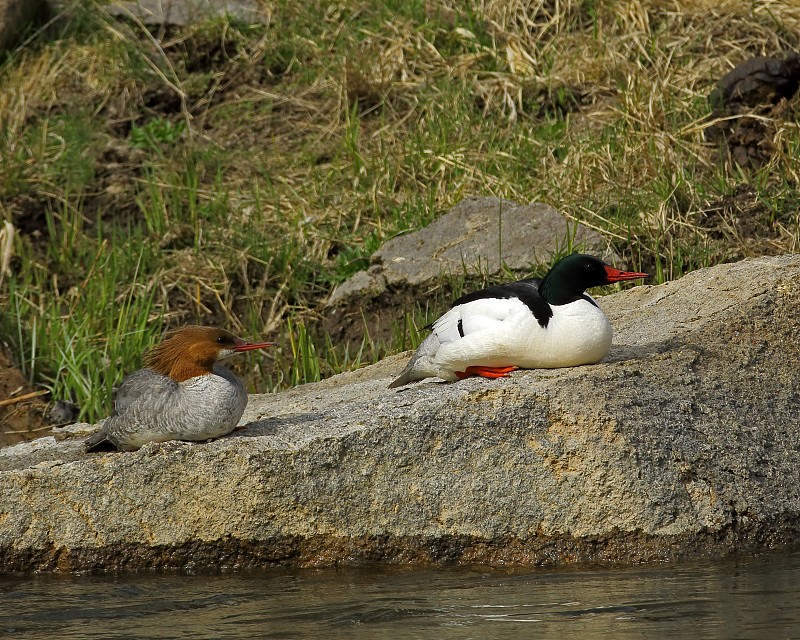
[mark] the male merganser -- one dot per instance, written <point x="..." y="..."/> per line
<point x="529" y="324"/>
<point x="182" y="394"/>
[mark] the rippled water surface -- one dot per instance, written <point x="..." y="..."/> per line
<point x="752" y="598"/>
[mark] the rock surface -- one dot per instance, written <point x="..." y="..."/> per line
<point x="685" y="441"/>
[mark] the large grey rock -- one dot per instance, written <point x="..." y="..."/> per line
<point x="477" y="236"/>
<point x="17" y="15"/>
<point x="685" y="441"/>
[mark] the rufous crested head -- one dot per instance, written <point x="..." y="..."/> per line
<point x="191" y="351"/>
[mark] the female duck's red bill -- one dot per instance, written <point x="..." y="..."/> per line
<point x="241" y="345"/>
<point x="615" y="275"/>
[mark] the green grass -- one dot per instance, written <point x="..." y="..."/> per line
<point x="233" y="174"/>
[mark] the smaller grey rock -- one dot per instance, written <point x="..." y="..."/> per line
<point x="368" y="283"/>
<point x="63" y="412"/>
<point x="181" y="13"/>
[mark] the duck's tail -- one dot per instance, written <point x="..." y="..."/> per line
<point x="421" y="365"/>
<point x="406" y="376"/>
<point x="98" y="442"/>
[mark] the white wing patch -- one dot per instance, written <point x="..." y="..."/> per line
<point x="491" y="331"/>
<point x="478" y="316"/>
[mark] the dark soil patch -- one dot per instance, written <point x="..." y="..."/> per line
<point x="554" y="102"/>
<point x="384" y="317"/>
<point x="28" y="213"/>
<point x="162" y="100"/>
<point x="22" y="420"/>
<point x="113" y="196"/>
<point x="378" y="318"/>
<point x="743" y="222"/>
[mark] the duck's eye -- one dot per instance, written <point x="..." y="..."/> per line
<point x="221" y="340"/>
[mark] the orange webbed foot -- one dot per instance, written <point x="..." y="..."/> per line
<point x="486" y="372"/>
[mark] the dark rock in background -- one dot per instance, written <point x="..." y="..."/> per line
<point x="18" y="15"/>
<point x="750" y="96"/>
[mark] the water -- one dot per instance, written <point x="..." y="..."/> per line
<point x="749" y="599"/>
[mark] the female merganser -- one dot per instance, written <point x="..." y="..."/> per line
<point x="530" y="324"/>
<point x="182" y="394"/>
